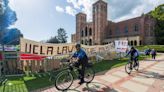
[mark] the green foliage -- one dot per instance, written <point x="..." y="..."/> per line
<point x="53" y="40"/>
<point x="158" y="14"/>
<point x="158" y="48"/>
<point x="62" y="35"/>
<point x="60" y="38"/>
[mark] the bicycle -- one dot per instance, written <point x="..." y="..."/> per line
<point x="134" y="65"/>
<point x="64" y="79"/>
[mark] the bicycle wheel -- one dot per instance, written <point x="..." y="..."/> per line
<point x="63" y="80"/>
<point x="137" y="66"/>
<point x="89" y="74"/>
<point x="127" y="68"/>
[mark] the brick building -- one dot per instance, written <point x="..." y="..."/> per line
<point x="138" y="31"/>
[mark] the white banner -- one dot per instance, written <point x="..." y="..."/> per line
<point x="46" y="49"/>
<point x="121" y="45"/>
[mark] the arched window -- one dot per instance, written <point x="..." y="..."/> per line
<point x="110" y="32"/>
<point x="105" y="8"/>
<point x="82" y="33"/>
<point x="90" y="41"/>
<point x="97" y="8"/>
<point x="135" y="43"/>
<point x="90" y="31"/>
<point x="126" y="29"/>
<point x="102" y="8"/>
<point x="82" y="42"/>
<point x="86" y="31"/>
<point x="86" y="42"/>
<point x="131" y="43"/>
<point x="140" y="42"/>
<point x="128" y="42"/>
<point x="117" y="30"/>
<point x="94" y="9"/>
<point x="136" y="27"/>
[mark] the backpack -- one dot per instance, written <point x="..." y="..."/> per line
<point x="136" y="54"/>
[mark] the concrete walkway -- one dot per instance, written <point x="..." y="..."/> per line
<point x="150" y="78"/>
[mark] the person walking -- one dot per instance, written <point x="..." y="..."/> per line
<point x="153" y="53"/>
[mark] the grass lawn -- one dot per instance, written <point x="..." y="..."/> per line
<point x="158" y="48"/>
<point x="36" y="81"/>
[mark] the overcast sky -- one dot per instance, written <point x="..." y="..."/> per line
<point x="39" y="19"/>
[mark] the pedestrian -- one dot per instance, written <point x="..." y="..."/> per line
<point x="153" y="53"/>
<point x="149" y="50"/>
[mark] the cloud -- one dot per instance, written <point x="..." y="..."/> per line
<point x="118" y="10"/>
<point x="75" y="3"/>
<point x="131" y="9"/>
<point x="87" y="7"/>
<point x="83" y="6"/>
<point x="69" y="10"/>
<point x="59" y="9"/>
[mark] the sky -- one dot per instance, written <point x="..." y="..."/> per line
<point x="40" y="19"/>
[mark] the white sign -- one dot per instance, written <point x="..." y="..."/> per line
<point x="121" y="45"/>
<point x="10" y="48"/>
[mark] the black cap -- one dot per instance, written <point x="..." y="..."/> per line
<point x="78" y="45"/>
<point x="132" y="47"/>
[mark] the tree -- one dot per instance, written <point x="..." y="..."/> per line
<point x="158" y="14"/>
<point x="53" y="40"/>
<point x="62" y="35"/>
<point x="8" y="18"/>
<point x="60" y="38"/>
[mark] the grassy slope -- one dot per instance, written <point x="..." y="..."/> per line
<point x="159" y="48"/>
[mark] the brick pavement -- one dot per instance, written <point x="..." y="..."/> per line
<point x="149" y="78"/>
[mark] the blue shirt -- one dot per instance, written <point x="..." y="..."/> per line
<point x="79" y="54"/>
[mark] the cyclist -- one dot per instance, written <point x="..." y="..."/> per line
<point x="134" y="54"/>
<point x="82" y="60"/>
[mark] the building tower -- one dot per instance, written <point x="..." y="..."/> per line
<point x="99" y="21"/>
<point x="80" y="23"/>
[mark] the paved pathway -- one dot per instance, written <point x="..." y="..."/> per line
<point x="150" y="78"/>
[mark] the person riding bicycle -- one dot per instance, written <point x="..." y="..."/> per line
<point x="82" y="60"/>
<point x="134" y="54"/>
